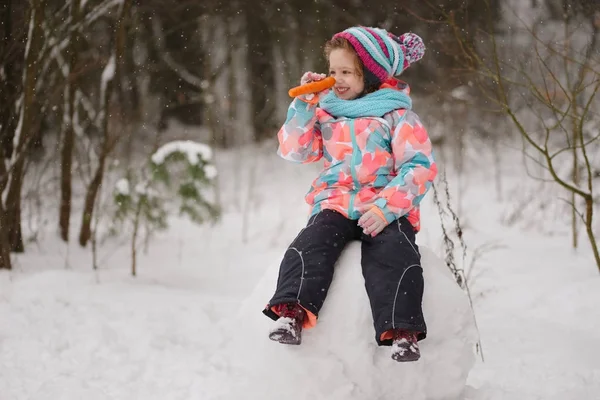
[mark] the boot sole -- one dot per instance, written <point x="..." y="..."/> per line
<point x="284" y="338"/>
<point x="407" y="358"/>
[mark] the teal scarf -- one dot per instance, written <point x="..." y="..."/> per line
<point x="375" y="104"/>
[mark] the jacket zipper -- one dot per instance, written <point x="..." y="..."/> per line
<point x="353" y="163"/>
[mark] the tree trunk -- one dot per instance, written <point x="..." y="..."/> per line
<point x="134" y="236"/>
<point x="69" y="131"/>
<point x="25" y="127"/>
<point x="10" y="83"/>
<point x="589" y="218"/>
<point x="566" y="8"/>
<point x="5" y="261"/>
<point x="7" y="124"/>
<point x="129" y="96"/>
<point x="111" y="72"/>
<point x="90" y="200"/>
<point x="574" y="216"/>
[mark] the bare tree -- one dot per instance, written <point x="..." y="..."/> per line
<point x="564" y="109"/>
<point x="9" y="87"/>
<point x="574" y="84"/>
<point x="24" y="134"/>
<point x="109" y="139"/>
<point x="68" y="142"/>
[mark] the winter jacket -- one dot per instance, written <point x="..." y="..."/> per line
<point x="368" y="162"/>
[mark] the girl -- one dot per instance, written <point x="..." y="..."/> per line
<point x="378" y="165"/>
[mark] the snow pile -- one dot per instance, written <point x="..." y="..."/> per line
<point x="339" y="358"/>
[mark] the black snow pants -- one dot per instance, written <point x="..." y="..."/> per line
<point x="391" y="266"/>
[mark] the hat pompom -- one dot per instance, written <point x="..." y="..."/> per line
<point x="415" y="48"/>
<point x="412" y="46"/>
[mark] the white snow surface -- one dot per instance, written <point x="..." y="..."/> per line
<point x="106" y="339"/>
<point x="190" y="326"/>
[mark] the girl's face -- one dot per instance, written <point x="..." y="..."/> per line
<point x="342" y="66"/>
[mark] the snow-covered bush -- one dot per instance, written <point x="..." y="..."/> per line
<point x="181" y="165"/>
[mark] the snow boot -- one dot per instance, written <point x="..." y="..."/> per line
<point x="288" y="328"/>
<point x="404" y="346"/>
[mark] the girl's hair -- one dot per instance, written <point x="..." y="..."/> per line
<point x="341" y="43"/>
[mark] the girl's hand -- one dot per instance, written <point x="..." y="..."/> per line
<point x="372" y="223"/>
<point x="311" y="77"/>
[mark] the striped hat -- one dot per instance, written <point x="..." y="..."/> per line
<point x="383" y="54"/>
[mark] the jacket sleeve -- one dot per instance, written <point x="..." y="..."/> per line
<point x="300" y="137"/>
<point x="414" y="166"/>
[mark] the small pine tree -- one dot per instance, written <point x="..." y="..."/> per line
<point x="185" y="164"/>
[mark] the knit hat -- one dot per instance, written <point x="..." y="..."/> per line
<point x="383" y="54"/>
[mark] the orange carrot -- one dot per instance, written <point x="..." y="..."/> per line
<point x="312" y="87"/>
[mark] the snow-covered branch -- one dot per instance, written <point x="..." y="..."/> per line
<point x="100" y="10"/>
<point x="107" y="76"/>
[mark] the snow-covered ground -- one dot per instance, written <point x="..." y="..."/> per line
<point x="189" y="326"/>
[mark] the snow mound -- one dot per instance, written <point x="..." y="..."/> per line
<point x="339" y="359"/>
